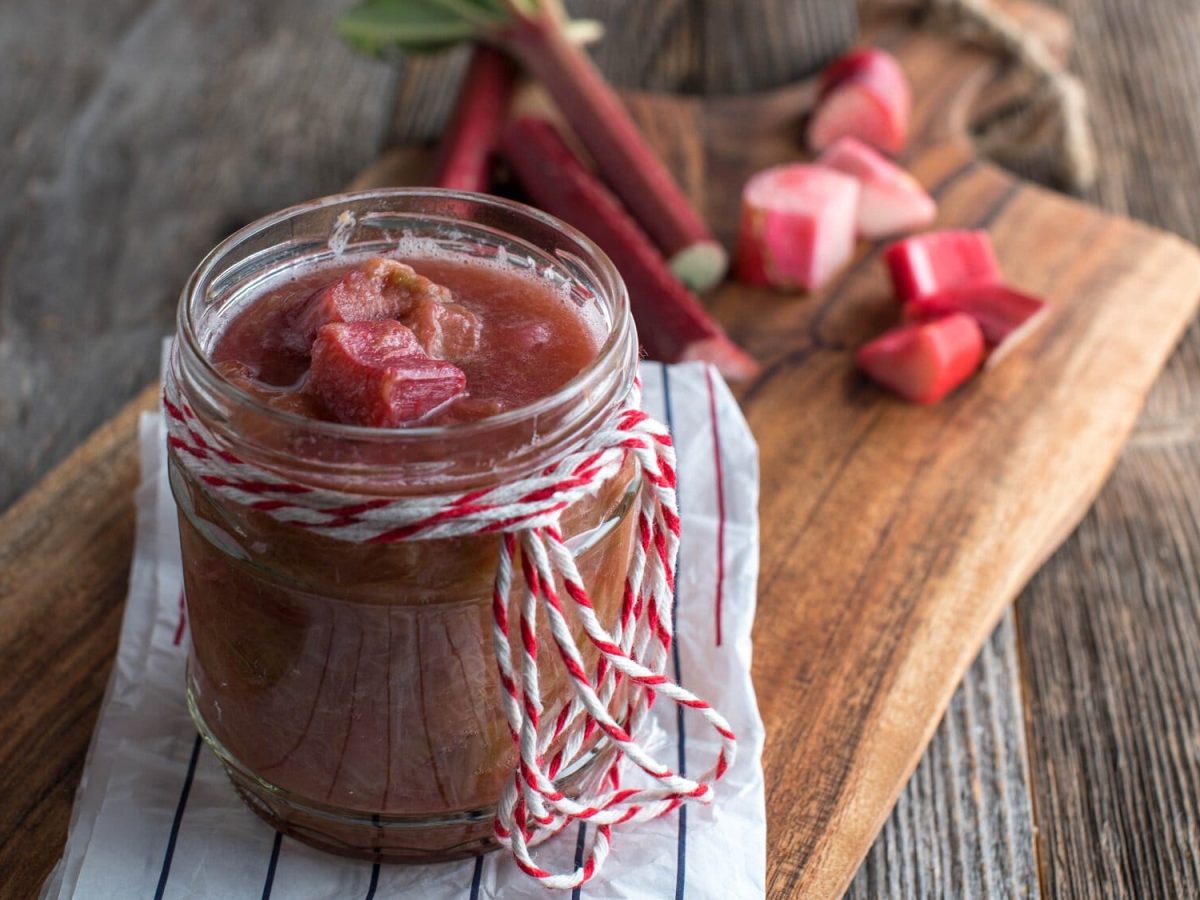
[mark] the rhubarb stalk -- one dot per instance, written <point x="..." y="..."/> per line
<point x="473" y="133"/>
<point x="621" y="153"/>
<point x="672" y="323"/>
<point x="538" y="33"/>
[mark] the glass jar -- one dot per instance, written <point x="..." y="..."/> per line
<point x="350" y="689"/>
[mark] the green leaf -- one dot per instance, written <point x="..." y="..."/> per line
<point x="417" y="25"/>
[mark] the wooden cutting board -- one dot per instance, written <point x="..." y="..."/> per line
<point x="893" y="536"/>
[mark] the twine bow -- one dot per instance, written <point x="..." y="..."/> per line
<point x="526" y="516"/>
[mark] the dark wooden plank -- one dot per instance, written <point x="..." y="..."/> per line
<point x="1109" y="636"/>
<point x="1110" y="630"/>
<point x="135" y="136"/>
<point x="66" y="544"/>
<point x="963" y="827"/>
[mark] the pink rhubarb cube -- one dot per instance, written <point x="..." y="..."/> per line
<point x="892" y="202"/>
<point x="798" y="226"/>
<point x="937" y="261"/>
<point x="377" y="374"/>
<point x="925" y="361"/>
<point x="864" y="94"/>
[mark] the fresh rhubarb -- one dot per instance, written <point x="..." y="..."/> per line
<point x="864" y="94"/>
<point x="797" y="228"/>
<point x="378" y="375"/>
<point x="672" y="324"/>
<point x="925" y="361"/>
<point x="1004" y="315"/>
<point x="892" y="202"/>
<point x="928" y="264"/>
<point x="473" y="133"/>
<point x="538" y="33"/>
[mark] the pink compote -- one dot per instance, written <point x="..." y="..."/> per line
<point x="511" y="335"/>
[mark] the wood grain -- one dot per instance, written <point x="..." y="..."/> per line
<point x="970" y="835"/>
<point x="65" y="551"/>
<point x="1110" y="629"/>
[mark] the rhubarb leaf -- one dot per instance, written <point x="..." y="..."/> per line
<point x="422" y="26"/>
<point x="417" y="25"/>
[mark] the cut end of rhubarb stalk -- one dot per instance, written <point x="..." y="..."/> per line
<point x="726" y="357"/>
<point x="928" y="264"/>
<point x="701" y="266"/>
<point x="1005" y="316"/>
<point x="925" y="361"/>
<point x="866" y="95"/>
<point x="798" y="226"/>
<point x="892" y="201"/>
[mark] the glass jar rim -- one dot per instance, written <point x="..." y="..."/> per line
<point x="596" y="260"/>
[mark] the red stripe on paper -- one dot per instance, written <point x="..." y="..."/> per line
<point x="720" y="479"/>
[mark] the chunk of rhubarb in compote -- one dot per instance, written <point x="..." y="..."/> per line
<point x="797" y="227"/>
<point x="927" y="264"/>
<point x="892" y="201"/>
<point x="925" y="361"/>
<point x="864" y="94"/>
<point x="377" y="374"/>
<point x="378" y="289"/>
<point x="446" y="330"/>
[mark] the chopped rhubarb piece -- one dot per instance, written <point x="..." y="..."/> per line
<point x="465" y="156"/>
<point x="377" y="374"/>
<point x="925" y="361"/>
<point x="672" y="323"/>
<point x="1005" y="316"/>
<point x="892" y="201"/>
<point x="797" y="226"/>
<point x="864" y="94"/>
<point x="930" y="263"/>
<point x="378" y="289"/>
<point x="446" y="330"/>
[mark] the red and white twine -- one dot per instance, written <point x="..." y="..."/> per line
<point x="526" y="517"/>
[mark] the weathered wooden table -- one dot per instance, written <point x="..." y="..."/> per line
<point x="136" y="133"/>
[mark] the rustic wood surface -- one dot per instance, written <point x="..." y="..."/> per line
<point x="118" y="120"/>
